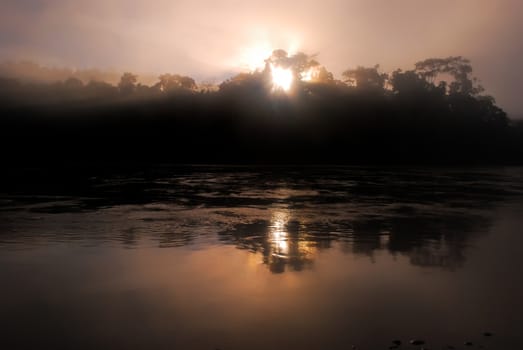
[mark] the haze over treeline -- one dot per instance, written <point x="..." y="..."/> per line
<point x="29" y="71"/>
<point x="436" y="112"/>
<point x="206" y="39"/>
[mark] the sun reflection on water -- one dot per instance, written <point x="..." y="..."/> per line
<point x="287" y="242"/>
<point x="278" y="235"/>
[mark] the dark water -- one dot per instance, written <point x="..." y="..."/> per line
<point x="261" y="258"/>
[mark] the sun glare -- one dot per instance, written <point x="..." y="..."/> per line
<point x="309" y="75"/>
<point x="253" y="58"/>
<point x="281" y="78"/>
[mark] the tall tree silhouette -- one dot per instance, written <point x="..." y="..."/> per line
<point x="457" y="67"/>
<point x="127" y="84"/>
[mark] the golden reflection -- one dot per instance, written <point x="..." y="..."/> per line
<point x="278" y="236"/>
<point x="288" y="243"/>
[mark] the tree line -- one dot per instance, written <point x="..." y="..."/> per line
<point x="436" y="112"/>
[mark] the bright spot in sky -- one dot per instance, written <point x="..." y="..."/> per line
<point x="253" y="58"/>
<point x="281" y="78"/>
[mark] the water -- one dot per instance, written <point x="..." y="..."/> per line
<point x="260" y="258"/>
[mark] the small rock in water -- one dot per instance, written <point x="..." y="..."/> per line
<point x="353" y="347"/>
<point x="487" y="334"/>
<point x="417" y="342"/>
<point x="468" y="343"/>
<point x="396" y="342"/>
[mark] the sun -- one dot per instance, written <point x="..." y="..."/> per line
<point x="282" y="78"/>
<point x="257" y="59"/>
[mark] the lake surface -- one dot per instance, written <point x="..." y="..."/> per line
<point x="261" y="258"/>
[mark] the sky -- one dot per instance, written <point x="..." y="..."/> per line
<point x="213" y="39"/>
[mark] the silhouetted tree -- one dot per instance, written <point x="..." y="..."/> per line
<point x="457" y="67"/>
<point x="246" y="82"/>
<point x="365" y="77"/>
<point x="322" y="75"/>
<point x="175" y="82"/>
<point x="127" y="84"/>
<point x="408" y="83"/>
<point x="301" y="64"/>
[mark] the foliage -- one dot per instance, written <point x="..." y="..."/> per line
<point x="365" y="78"/>
<point x="412" y="116"/>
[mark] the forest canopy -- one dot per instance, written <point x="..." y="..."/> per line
<point x="291" y="110"/>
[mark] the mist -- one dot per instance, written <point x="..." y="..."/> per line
<point x="209" y="40"/>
